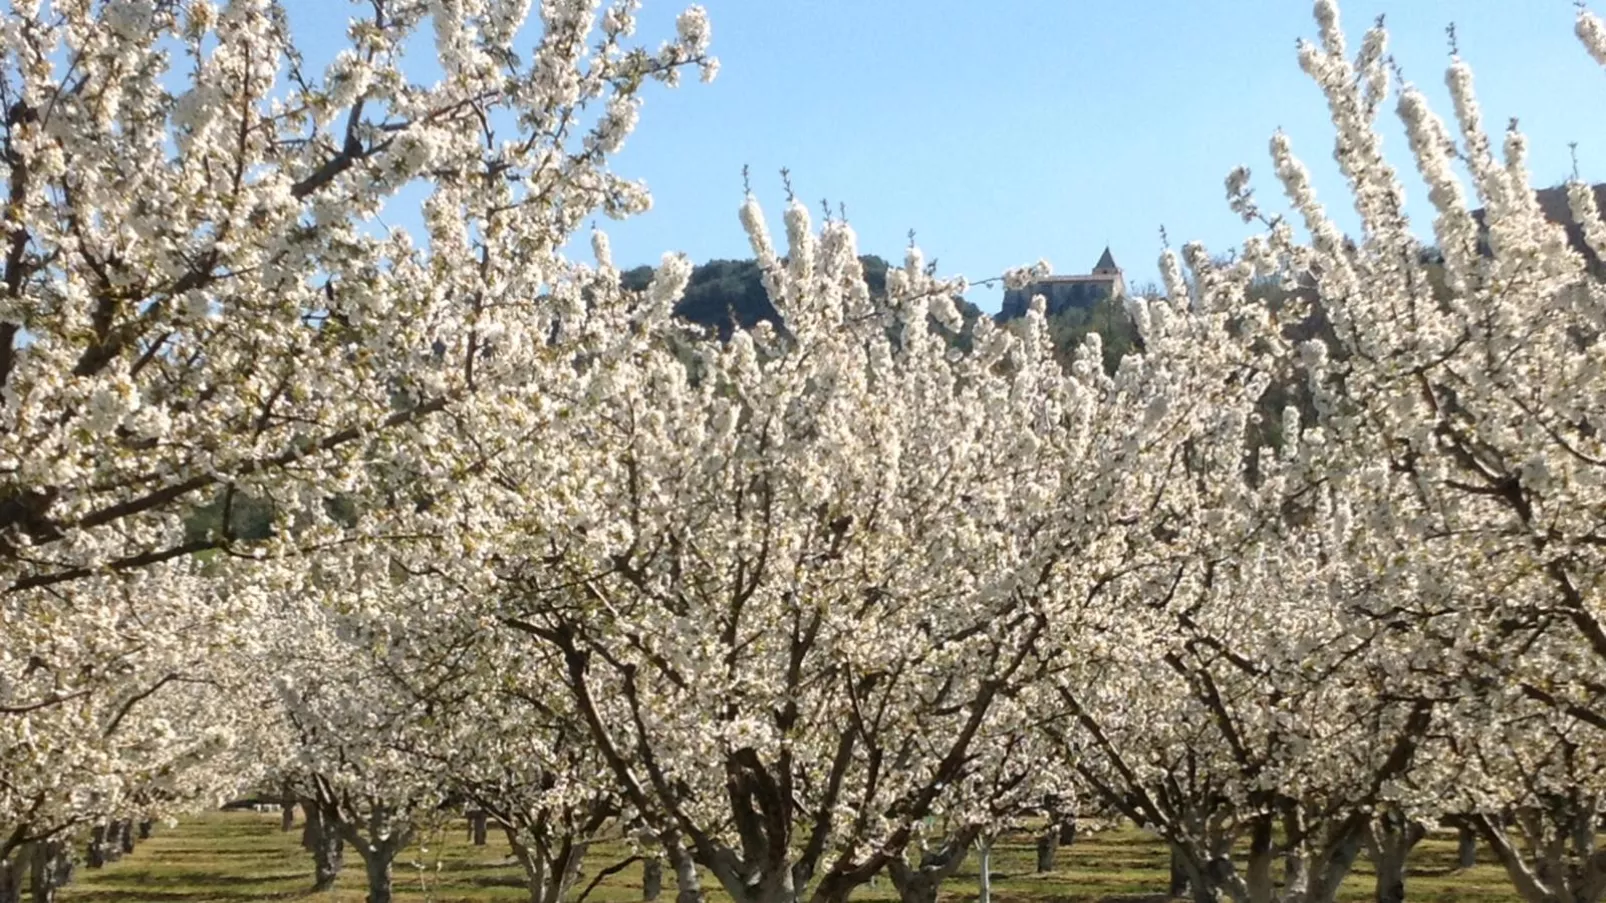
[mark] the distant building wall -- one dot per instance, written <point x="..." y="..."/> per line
<point x="1063" y="292"/>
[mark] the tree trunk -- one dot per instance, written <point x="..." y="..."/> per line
<point x="125" y="836"/>
<point x="287" y="815"/>
<point x="11" y="874"/>
<point x="534" y="867"/>
<point x="112" y="842"/>
<point x="688" y="886"/>
<point x="542" y="887"/>
<point x="50" y="870"/>
<point x="377" y="838"/>
<point x="1330" y="872"/>
<point x="477" y="827"/>
<point x="1048" y="846"/>
<point x="984" y="863"/>
<point x="652" y="879"/>
<point x="1198" y="880"/>
<point x="1390" y="886"/>
<point x="328" y="858"/>
<point x="324" y="842"/>
<point x="1389" y="844"/>
<point x="1258" y="868"/>
<point x="1179" y="875"/>
<point x="377" y="864"/>
<point x="145" y="828"/>
<point x="1466" y="847"/>
<point x="917" y="888"/>
<point x="95" y="855"/>
<point x="1583" y="831"/>
<point x="1555" y="857"/>
<point x="919" y="882"/>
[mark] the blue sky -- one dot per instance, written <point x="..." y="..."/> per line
<point x="1007" y="130"/>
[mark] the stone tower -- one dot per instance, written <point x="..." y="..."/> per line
<point x="1106" y="265"/>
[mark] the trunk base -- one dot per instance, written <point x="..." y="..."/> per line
<point x="323" y="841"/>
<point x="51" y="870"/>
<point x="652" y="880"/>
<point x="379" y="878"/>
<point x="1048" y="847"/>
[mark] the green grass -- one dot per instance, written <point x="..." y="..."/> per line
<point x="236" y="857"/>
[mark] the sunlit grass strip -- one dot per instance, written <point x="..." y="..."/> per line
<point x="229" y="857"/>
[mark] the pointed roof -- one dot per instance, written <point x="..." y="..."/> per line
<point x="1106" y="261"/>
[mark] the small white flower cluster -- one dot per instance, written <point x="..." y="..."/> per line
<point x="1022" y="277"/>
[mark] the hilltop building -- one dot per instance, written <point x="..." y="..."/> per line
<point x="1062" y="292"/>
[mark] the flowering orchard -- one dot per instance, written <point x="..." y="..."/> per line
<point x="826" y="601"/>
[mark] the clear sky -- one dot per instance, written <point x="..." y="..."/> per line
<point x="1007" y="130"/>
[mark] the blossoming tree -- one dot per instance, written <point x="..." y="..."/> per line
<point x="195" y="313"/>
<point x="840" y="559"/>
<point x="818" y="598"/>
<point x="1452" y="453"/>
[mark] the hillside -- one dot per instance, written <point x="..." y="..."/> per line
<point x="726" y="293"/>
<point x="1553" y="201"/>
<point x="723" y="294"/>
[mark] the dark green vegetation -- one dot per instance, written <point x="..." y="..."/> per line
<point x="237" y="857"/>
<point x="1107" y="317"/>
<point x="723" y="294"/>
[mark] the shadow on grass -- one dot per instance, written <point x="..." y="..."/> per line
<point x="1434" y="871"/>
<point x="123" y="895"/>
<point x="168" y="874"/>
<point x="488" y="881"/>
<point x="1107" y="857"/>
<point x="476" y="865"/>
<point x="254" y="851"/>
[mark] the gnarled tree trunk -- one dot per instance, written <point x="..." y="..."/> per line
<point x="688" y="886"/>
<point x="547" y="879"/>
<point x="919" y="882"/>
<point x="917" y="887"/>
<point x="1048" y="846"/>
<point x="1203" y="868"/>
<point x="50" y="870"/>
<point x="652" y="879"/>
<point x="11" y="867"/>
<point x="1557" y="857"/>
<point x="323" y="841"/>
<point x="1340" y="846"/>
<point x="1179" y="875"/>
<point x="1258" y="869"/>
<point x="1189" y="878"/>
<point x="1389" y="843"/>
<point x="377" y="840"/>
<point x="1466" y="847"/>
<point x="95" y="855"/>
<point x="377" y="864"/>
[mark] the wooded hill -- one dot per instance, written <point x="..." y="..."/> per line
<point x="724" y="294"/>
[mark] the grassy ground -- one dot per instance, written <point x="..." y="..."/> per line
<point x="237" y="857"/>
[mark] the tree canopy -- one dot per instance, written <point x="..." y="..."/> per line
<point x="793" y="572"/>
